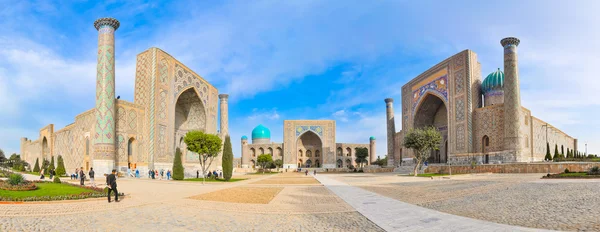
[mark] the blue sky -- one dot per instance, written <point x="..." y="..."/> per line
<point x="298" y="59"/>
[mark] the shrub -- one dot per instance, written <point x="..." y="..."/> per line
<point x="227" y="159"/>
<point x="26" y="186"/>
<point x="594" y="171"/>
<point x="51" y="167"/>
<point x="566" y="170"/>
<point x="177" y="166"/>
<point x="36" y="168"/>
<point x="16" y="179"/>
<point x="56" y="180"/>
<point x="60" y="167"/>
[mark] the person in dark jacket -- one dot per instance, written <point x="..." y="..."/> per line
<point x="111" y="182"/>
<point x="92" y="177"/>
<point x="82" y="175"/>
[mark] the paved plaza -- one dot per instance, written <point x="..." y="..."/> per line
<point x="334" y="202"/>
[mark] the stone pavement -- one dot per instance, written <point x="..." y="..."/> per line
<point x="394" y="215"/>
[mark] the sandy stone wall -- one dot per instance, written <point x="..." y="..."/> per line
<point x="549" y="167"/>
<point x="345" y="152"/>
<point x="489" y="121"/>
<point x="555" y="136"/>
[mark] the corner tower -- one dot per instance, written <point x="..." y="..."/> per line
<point x="391" y="130"/>
<point x="104" y="136"/>
<point x="512" y="97"/>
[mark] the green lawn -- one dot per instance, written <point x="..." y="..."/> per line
<point x="46" y="189"/>
<point x="574" y="174"/>
<point x="213" y="180"/>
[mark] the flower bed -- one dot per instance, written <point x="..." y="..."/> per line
<point x="27" y="186"/>
<point x="571" y="175"/>
<point x="48" y="191"/>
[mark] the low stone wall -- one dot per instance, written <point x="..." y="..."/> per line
<point x="513" y="168"/>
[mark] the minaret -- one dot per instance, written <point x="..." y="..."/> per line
<point x="245" y="156"/>
<point x="373" y="155"/>
<point x="391" y="130"/>
<point x="104" y="137"/>
<point x="224" y="115"/>
<point x="512" y="97"/>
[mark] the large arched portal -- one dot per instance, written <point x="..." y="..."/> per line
<point x="130" y="152"/>
<point x="309" y="141"/>
<point x="190" y="114"/>
<point x="45" y="149"/>
<point x="432" y="111"/>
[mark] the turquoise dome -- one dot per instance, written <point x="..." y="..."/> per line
<point x="494" y="81"/>
<point x="244" y="138"/>
<point x="261" y="132"/>
<point x="372" y="138"/>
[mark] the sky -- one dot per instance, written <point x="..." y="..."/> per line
<point x="284" y="60"/>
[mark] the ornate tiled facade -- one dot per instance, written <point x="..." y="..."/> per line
<point x="306" y="143"/>
<point x="502" y="131"/>
<point x="169" y="100"/>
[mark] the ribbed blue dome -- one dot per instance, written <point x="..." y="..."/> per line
<point x="261" y="132"/>
<point x="244" y="138"/>
<point x="494" y="81"/>
<point x="372" y="138"/>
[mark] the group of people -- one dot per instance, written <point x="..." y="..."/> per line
<point x="51" y="172"/>
<point x="214" y="174"/>
<point x="80" y="175"/>
<point x="154" y="174"/>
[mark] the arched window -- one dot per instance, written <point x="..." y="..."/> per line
<point x="262" y="151"/>
<point x="339" y="151"/>
<point x="308" y="153"/>
<point x="299" y="153"/>
<point x="270" y="149"/>
<point x="87" y="146"/>
<point x="348" y="151"/>
<point x="317" y="153"/>
<point x="253" y="152"/>
<point x="485" y="142"/>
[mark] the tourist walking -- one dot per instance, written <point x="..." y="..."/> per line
<point x="162" y="173"/>
<point x="168" y="174"/>
<point x="111" y="182"/>
<point x="77" y="173"/>
<point x="51" y="175"/>
<point x="306" y="173"/>
<point x="82" y="176"/>
<point x="149" y="174"/>
<point x="315" y="172"/>
<point x="197" y="174"/>
<point x="42" y="174"/>
<point x="156" y="173"/>
<point x="92" y="182"/>
<point x="152" y="174"/>
<point x="137" y="173"/>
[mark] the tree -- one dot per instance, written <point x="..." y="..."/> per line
<point x="227" y="159"/>
<point x="548" y="155"/>
<point x="556" y="155"/>
<point x="2" y="156"/>
<point x="562" y="151"/>
<point x="361" y="154"/>
<point x="177" y="166"/>
<point x="207" y="146"/>
<point x="569" y="153"/>
<point x="36" y="168"/>
<point x="45" y="165"/>
<point x="264" y="160"/>
<point x="422" y="141"/>
<point x="51" y="167"/>
<point x="60" y="167"/>
<point x="278" y="163"/>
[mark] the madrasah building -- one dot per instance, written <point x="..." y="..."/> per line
<point x="482" y="121"/>
<point x="169" y="100"/>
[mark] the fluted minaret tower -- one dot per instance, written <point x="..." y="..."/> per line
<point x="372" y="146"/>
<point x="391" y="130"/>
<point x="224" y="106"/>
<point x="104" y="133"/>
<point x="512" y="97"/>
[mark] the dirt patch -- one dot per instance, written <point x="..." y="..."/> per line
<point x="288" y="180"/>
<point x="249" y="195"/>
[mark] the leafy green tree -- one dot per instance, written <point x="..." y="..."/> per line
<point x="227" y="159"/>
<point x="361" y="154"/>
<point x="278" y="163"/>
<point x="36" y="168"/>
<point x="422" y="141"/>
<point x="45" y="165"/>
<point x="556" y="155"/>
<point x="207" y="146"/>
<point x="177" y="166"/>
<point x="51" y="167"/>
<point x="264" y="160"/>
<point x="2" y="156"/>
<point x="60" y="167"/>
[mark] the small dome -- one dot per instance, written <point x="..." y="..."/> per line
<point x="244" y="138"/>
<point x="372" y="138"/>
<point x="494" y="81"/>
<point x="261" y="132"/>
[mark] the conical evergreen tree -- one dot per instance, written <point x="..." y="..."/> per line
<point x="556" y="155"/>
<point x="562" y="151"/>
<point x="177" y="166"/>
<point x="36" y="168"/>
<point x="45" y="165"/>
<point x="227" y="159"/>
<point x="548" y="155"/>
<point x="60" y="167"/>
<point x="51" y="167"/>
